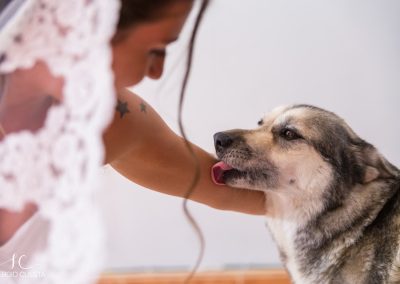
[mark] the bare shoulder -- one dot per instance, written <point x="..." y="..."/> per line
<point x="135" y="124"/>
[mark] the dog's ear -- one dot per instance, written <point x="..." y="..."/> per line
<point x="373" y="165"/>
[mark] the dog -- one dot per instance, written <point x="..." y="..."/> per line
<point x="332" y="200"/>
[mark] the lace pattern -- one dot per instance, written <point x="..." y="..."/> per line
<point x="54" y="167"/>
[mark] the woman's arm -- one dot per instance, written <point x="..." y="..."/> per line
<point x="144" y="149"/>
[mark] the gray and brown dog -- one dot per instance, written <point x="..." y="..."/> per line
<point x="333" y="201"/>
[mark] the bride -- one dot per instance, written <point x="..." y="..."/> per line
<point x="65" y="111"/>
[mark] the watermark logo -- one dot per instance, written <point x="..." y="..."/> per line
<point x="17" y="267"/>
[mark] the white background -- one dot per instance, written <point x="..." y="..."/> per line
<point x="251" y="56"/>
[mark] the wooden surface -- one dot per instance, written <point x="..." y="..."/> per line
<point x="215" y="277"/>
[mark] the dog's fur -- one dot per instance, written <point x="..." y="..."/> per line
<point x="333" y="201"/>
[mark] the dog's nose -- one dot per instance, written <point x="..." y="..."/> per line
<point x="222" y="141"/>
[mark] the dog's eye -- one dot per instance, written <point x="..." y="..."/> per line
<point x="290" y="134"/>
<point x="260" y="122"/>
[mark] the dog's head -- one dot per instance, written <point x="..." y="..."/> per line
<point x="299" y="149"/>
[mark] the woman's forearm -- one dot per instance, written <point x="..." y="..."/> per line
<point x="144" y="149"/>
<point x="170" y="170"/>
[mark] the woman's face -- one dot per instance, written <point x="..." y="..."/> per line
<point x="141" y="50"/>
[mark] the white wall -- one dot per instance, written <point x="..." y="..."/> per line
<point x="251" y="56"/>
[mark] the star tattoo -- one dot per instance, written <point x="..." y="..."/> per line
<point x="122" y="108"/>
<point x="143" y="107"/>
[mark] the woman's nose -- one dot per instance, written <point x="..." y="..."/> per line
<point x="156" y="67"/>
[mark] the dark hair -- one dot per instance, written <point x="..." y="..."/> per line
<point x="134" y="12"/>
<point x="139" y="11"/>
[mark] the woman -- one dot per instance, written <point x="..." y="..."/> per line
<point x="138" y="144"/>
<point x="138" y="141"/>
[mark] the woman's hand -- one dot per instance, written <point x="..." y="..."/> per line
<point x="145" y="150"/>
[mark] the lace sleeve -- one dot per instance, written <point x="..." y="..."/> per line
<point x="54" y="167"/>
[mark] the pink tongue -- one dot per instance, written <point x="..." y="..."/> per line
<point x="217" y="172"/>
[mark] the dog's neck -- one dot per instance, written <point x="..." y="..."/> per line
<point x="291" y="206"/>
<point x="316" y="230"/>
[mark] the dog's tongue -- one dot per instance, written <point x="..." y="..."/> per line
<point x="217" y="172"/>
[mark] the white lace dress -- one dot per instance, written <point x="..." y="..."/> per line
<point x="54" y="167"/>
